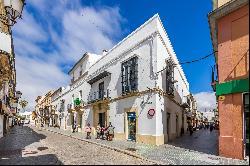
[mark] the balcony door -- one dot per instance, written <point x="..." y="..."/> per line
<point x="101" y="90"/>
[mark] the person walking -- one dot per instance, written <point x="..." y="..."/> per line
<point x="102" y="132"/>
<point x="98" y="131"/>
<point x="88" y="131"/>
<point x="190" y="128"/>
<point x="110" y="133"/>
<point x="211" y="127"/>
<point x="74" y="126"/>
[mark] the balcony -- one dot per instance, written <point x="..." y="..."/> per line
<point x="185" y="102"/>
<point x="98" y="96"/>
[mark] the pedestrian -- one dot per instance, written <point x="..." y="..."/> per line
<point x="88" y="131"/>
<point x="190" y="128"/>
<point x="211" y="127"/>
<point x="74" y="126"/>
<point x="106" y="132"/>
<point x="102" y="132"/>
<point x="182" y="130"/>
<point x="98" y="131"/>
<point x="110" y="133"/>
<point x="22" y="122"/>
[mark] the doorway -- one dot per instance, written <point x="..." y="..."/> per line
<point x="102" y="119"/>
<point x="246" y="122"/>
<point x="131" y="126"/>
<point x="168" y="125"/>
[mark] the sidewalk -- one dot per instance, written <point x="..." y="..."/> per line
<point x="166" y="154"/>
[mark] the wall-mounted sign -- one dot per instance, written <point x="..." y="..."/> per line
<point x="221" y="98"/>
<point x="151" y="112"/>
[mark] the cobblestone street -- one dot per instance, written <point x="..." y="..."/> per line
<point x="200" y="148"/>
<point x="202" y="140"/>
<point x="33" y="146"/>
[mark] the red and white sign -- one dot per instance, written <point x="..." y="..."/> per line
<point x="151" y="112"/>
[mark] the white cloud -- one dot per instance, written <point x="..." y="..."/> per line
<point x="205" y="101"/>
<point x="29" y="29"/>
<point x="55" y="36"/>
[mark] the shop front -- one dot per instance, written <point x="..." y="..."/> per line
<point x="131" y="123"/>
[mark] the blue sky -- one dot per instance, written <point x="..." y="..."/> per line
<point x="53" y="35"/>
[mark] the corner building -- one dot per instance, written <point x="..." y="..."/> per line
<point x="128" y="87"/>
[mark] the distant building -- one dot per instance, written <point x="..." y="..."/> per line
<point x="209" y="115"/>
<point x="28" y="116"/>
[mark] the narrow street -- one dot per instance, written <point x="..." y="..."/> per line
<point x="26" y="146"/>
<point x="202" y="141"/>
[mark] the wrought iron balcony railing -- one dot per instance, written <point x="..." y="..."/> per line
<point x="98" y="96"/>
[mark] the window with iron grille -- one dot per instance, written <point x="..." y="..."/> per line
<point x="170" y="77"/>
<point x="130" y="75"/>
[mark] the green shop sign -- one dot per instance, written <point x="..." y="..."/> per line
<point x="77" y="101"/>
<point x="235" y="86"/>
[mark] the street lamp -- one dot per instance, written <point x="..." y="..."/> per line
<point x="14" y="9"/>
<point x="18" y="94"/>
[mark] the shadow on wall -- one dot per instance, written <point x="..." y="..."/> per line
<point x="241" y="65"/>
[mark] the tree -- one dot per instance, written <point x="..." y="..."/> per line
<point x="23" y="103"/>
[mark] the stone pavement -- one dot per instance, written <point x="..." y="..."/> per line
<point x="32" y="146"/>
<point x="201" y="140"/>
<point x="175" y="152"/>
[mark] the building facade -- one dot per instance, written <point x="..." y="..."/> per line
<point x="8" y="100"/>
<point x="43" y="109"/>
<point x="229" y="26"/>
<point x="138" y="86"/>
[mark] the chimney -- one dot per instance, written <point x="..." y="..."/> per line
<point x="104" y="52"/>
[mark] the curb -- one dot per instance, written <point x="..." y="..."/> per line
<point x="108" y="147"/>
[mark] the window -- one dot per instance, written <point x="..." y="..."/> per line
<point x="80" y="94"/>
<point x="73" y="98"/>
<point x="80" y="70"/>
<point x="101" y="90"/>
<point x="170" y="77"/>
<point x="130" y="75"/>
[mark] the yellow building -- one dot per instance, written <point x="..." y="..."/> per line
<point x="43" y="108"/>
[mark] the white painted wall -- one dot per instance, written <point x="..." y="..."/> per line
<point x="151" y="58"/>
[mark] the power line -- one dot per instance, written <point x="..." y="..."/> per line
<point x="198" y="59"/>
<point x="187" y="62"/>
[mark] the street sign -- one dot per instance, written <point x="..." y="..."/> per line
<point x="221" y="98"/>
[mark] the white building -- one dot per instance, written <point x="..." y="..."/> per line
<point x="209" y="115"/>
<point x="124" y="86"/>
<point x="28" y="116"/>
